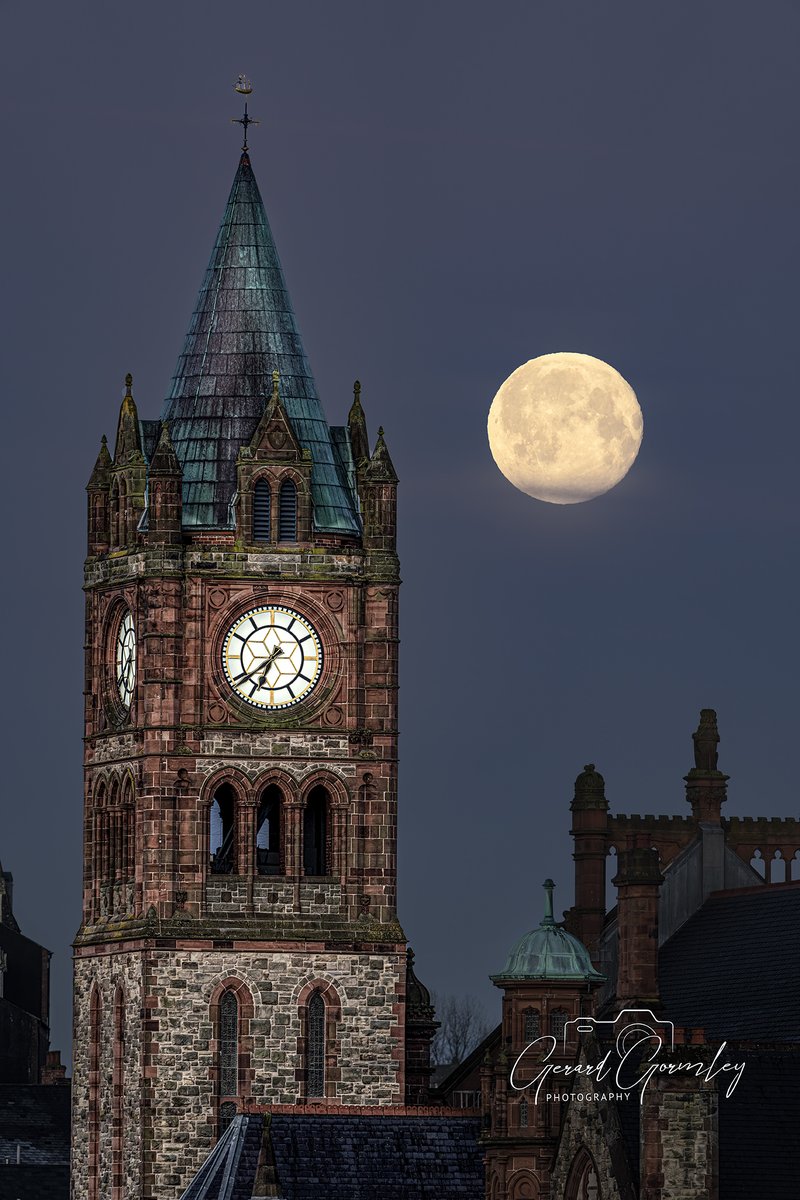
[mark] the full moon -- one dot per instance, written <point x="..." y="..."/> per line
<point x="565" y="428"/>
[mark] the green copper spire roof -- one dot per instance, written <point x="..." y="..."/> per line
<point x="242" y="329"/>
<point x="548" y="952"/>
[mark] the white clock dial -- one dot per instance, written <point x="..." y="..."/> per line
<point x="272" y="657"/>
<point x="125" y="659"/>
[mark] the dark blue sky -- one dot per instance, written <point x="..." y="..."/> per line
<point x="454" y="188"/>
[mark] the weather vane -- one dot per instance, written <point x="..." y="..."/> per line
<point x="244" y="87"/>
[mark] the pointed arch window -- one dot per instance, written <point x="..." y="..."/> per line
<point x="315" y="833"/>
<point x="118" y="1098"/>
<point x="227" y="1112"/>
<point x="287" y="524"/>
<point x="229" y="1045"/>
<point x="222" y="831"/>
<point x="95" y="1032"/>
<point x="315" y="1065"/>
<point x="262" y="505"/>
<point x="268" y="832"/>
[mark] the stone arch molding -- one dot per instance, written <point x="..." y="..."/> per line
<point x="333" y="991"/>
<point x="232" y="775"/>
<point x="523" y="1185"/>
<point x="329" y="779"/>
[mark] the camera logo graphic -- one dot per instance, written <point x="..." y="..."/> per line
<point x="628" y="1027"/>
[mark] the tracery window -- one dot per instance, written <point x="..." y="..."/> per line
<point x="532" y="1024"/>
<point x="287" y="514"/>
<point x="523" y="1114"/>
<point x="558" y="1021"/>
<point x="315" y="1064"/>
<point x="228" y="1045"/>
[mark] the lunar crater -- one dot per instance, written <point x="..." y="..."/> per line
<point x="565" y="428"/>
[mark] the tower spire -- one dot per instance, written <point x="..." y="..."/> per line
<point x="244" y="87"/>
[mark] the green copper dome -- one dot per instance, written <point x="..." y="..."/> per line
<point x="548" y="952"/>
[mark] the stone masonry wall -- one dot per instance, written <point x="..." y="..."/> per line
<point x="181" y="986"/>
<point x="107" y="972"/>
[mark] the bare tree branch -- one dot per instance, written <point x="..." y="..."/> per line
<point x="463" y="1026"/>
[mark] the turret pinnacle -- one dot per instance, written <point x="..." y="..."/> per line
<point x="380" y="466"/>
<point x="100" y="475"/>
<point x="129" y="438"/>
<point x="164" y="460"/>
<point x="357" y="427"/>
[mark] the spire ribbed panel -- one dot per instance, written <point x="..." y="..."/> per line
<point x="243" y="329"/>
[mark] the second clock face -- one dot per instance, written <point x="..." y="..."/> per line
<point x="125" y="658"/>
<point x="272" y="657"/>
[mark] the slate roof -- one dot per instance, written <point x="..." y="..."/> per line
<point x="35" y="1118"/>
<point x="343" y="1158"/>
<point x="377" y="1158"/>
<point x="229" y="1172"/>
<point x="34" y="1182"/>
<point x="734" y="967"/>
<point x="242" y="329"/>
<point x="758" y="1124"/>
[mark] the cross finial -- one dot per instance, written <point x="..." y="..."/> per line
<point x="244" y="87"/>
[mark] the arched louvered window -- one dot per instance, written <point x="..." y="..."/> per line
<point x="222" y="826"/>
<point x="531" y="1031"/>
<point x="315" y="1066"/>
<point x="262" y="497"/>
<point x="229" y="1045"/>
<point x="315" y="833"/>
<point x="268" y="832"/>
<point x="287" y="530"/>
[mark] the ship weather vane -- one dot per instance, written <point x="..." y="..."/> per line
<point x="244" y="87"/>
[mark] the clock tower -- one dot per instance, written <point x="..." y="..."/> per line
<point x="239" y="944"/>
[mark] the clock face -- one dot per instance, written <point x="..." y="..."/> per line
<point x="272" y="657"/>
<point x="125" y="658"/>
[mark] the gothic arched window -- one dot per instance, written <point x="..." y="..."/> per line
<point x="262" y="504"/>
<point x="95" y="1033"/>
<point x="114" y="514"/>
<point x="532" y="1024"/>
<point x="228" y="1045"/>
<point x="582" y="1183"/>
<point x="118" y="1098"/>
<point x="222" y="831"/>
<point x="227" y="1112"/>
<point x="268" y="832"/>
<point x="287" y="525"/>
<point x="315" y="833"/>
<point x="315" y="1060"/>
<point x="558" y="1022"/>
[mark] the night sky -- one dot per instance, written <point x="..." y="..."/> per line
<point x="454" y="188"/>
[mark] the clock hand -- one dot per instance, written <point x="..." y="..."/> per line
<point x="275" y="654"/>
